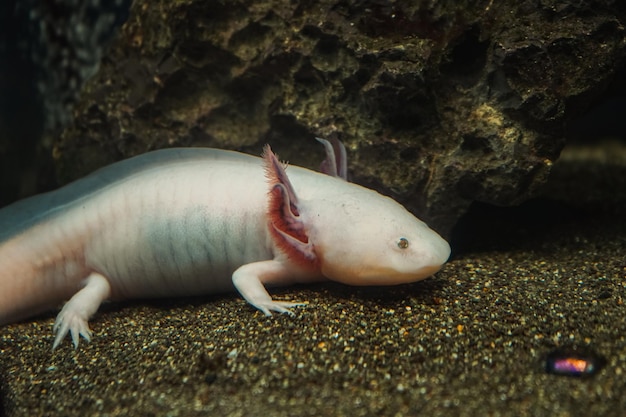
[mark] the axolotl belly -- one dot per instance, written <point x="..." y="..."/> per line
<point x="197" y="221"/>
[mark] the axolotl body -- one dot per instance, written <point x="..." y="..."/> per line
<point x="193" y="221"/>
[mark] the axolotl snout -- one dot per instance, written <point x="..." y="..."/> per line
<point x="197" y="221"/>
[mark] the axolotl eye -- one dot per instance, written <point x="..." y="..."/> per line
<point x="403" y="243"/>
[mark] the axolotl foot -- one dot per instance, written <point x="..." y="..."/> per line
<point x="278" y="306"/>
<point x="69" y="321"/>
<point x="75" y="313"/>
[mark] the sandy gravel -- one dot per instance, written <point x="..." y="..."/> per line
<point x="469" y="342"/>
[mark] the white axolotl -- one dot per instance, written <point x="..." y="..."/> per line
<point x="191" y="221"/>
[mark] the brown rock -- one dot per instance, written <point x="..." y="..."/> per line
<point x="440" y="104"/>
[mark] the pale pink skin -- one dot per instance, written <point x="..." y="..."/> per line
<point x="195" y="221"/>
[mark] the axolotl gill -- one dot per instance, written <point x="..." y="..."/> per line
<point x="194" y="221"/>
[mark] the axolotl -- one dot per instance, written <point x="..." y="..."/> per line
<point x="195" y="221"/>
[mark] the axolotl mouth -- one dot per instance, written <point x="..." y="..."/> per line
<point x="372" y="275"/>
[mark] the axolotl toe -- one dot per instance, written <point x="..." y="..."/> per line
<point x="193" y="221"/>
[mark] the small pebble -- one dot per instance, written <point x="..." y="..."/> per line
<point x="573" y="362"/>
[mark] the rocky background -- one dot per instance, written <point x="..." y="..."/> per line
<point x="440" y="104"/>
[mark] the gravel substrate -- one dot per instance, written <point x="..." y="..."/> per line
<point x="470" y="341"/>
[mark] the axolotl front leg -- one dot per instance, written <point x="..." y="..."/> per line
<point x="250" y="281"/>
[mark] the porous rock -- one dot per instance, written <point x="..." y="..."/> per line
<point x="439" y="103"/>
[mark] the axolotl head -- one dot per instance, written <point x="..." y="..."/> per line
<point x="364" y="238"/>
<point x="349" y="233"/>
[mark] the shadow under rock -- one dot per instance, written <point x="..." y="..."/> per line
<point x="585" y="195"/>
